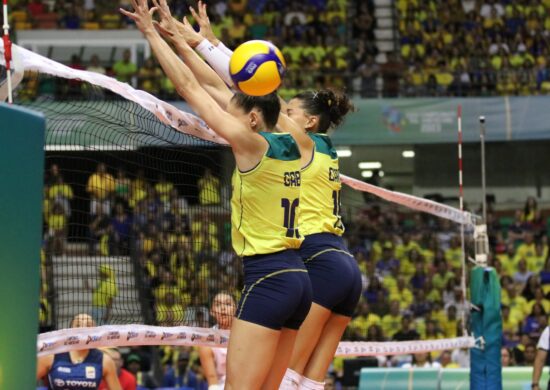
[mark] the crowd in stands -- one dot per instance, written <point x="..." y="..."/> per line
<point x="474" y="47"/>
<point x="314" y="35"/>
<point x="457" y="48"/>
<point x="411" y="263"/>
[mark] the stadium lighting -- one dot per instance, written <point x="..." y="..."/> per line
<point x="367" y="174"/>
<point x="343" y="152"/>
<point x="408" y="153"/>
<point x="370" y="165"/>
<point x="381" y="173"/>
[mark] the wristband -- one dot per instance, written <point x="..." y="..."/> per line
<point x="217" y="60"/>
<point x="228" y="52"/>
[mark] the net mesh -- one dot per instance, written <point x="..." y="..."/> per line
<point x="136" y="214"/>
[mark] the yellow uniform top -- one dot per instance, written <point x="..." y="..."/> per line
<point x="320" y="197"/>
<point x="264" y="206"/>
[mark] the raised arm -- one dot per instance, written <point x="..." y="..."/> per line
<point x="185" y="38"/>
<point x="239" y="136"/>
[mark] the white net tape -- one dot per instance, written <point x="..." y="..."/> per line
<point x="135" y="335"/>
<point x="132" y="335"/>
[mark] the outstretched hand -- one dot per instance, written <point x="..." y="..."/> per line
<point x="204" y="23"/>
<point x="171" y="29"/>
<point x="142" y="15"/>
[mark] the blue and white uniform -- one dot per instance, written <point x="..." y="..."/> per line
<point x="66" y="375"/>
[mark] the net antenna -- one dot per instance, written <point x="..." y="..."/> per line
<point x="480" y="233"/>
<point x="7" y="51"/>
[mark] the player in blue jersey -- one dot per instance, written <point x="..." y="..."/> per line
<point x="79" y="369"/>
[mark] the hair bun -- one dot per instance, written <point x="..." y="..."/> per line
<point x="337" y="105"/>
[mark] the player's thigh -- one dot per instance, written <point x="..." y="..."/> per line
<point x="308" y="336"/>
<point x="280" y="363"/>
<point x="323" y="353"/>
<point x="250" y="354"/>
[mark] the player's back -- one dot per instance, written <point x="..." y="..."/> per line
<point x="266" y="199"/>
<point x="320" y="194"/>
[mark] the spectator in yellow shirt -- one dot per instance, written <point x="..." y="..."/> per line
<point x="163" y="188"/>
<point x="57" y="229"/>
<point x="209" y="189"/>
<point x="450" y="324"/>
<point x="170" y="312"/>
<point x="442" y="276"/>
<point x="391" y="322"/>
<point x="527" y="249"/>
<point x="360" y="325"/>
<point x="103" y="294"/>
<point x="61" y="193"/>
<point x="453" y="255"/>
<point x="101" y="186"/>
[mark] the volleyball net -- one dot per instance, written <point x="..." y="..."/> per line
<point x="136" y="216"/>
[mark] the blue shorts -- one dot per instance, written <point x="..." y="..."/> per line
<point x="333" y="271"/>
<point x="277" y="291"/>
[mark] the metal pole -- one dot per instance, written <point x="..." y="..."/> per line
<point x="461" y="201"/>
<point x="483" y="182"/>
<point x="7" y="48"/>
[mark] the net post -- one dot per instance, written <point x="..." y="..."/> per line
<point x="485" y="364"/>
<point x="7" y="49"/>
<point x="21" y="169"/>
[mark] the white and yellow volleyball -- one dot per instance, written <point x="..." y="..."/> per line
<point x="257" y="68"/>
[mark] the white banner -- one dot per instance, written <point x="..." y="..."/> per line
<point x="190" y="124"/>
<point x="135" y="335"/>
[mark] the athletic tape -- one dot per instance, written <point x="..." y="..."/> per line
<point x="134" y="335"/>
<point x="190" y="124"/>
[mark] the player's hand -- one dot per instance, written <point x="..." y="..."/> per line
<point x="204" y="23"/>
<point x="142" y="15"/>
<point x="167" y="25"/>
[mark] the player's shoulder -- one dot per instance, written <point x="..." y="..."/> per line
<point x="282" y="146"/>
<point x="323" y="144"/>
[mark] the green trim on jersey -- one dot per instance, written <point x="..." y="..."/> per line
<point x="281" y="147"/>
<point x="323" y="144"/>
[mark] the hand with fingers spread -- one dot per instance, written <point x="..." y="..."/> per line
<point x="204" y="23"/>
<point x="174" y="30"/>
<point x="142" y="15"/>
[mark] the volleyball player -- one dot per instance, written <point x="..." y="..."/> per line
<point x="213" y="360"/>
<point x="277" y="293"/>
<point x="334" y="274"/>
<point x="78" y="369"/>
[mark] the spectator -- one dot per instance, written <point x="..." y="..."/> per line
<point x="36" y="8"/>
<point x="391" y="322"/>
<point x="61" y="193"/>
<point x="101" y="186"/>
<point x="144" y="379"/>
<point x="209" y="189"/>
<point x="124" y="69"/>
<point x="422" y="360"/>
<point x="182" y="374"/>
<point x="126" y="379"/>
<point x="391" y="72"/>
<point x="363" y="321"/>
<point x="149" y="77"/>
<point x="100" y="229"/>
<point x="103" y="294"/>
<point x="57" y="229"/>
<point x="505" y="357"/>
<point x="95" y="65"/>
<point x="405" y="333"/>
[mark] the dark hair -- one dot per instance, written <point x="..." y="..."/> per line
<point x="331" y="107"/>
<point x="268" y="105"/>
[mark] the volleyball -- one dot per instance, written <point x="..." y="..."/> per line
<point x="257" y="68"/>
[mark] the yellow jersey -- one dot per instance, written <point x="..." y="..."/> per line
<point x="320" y="197"/>
<point x="266" y="199"/>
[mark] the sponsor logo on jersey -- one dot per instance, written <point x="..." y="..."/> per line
<point x="66" y="370"/>
<point x="90" y="372"/>
<point x="292" y="179"/>
<point x="131" y="335"/>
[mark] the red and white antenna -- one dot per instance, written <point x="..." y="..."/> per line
<point x="7" y="48"/>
